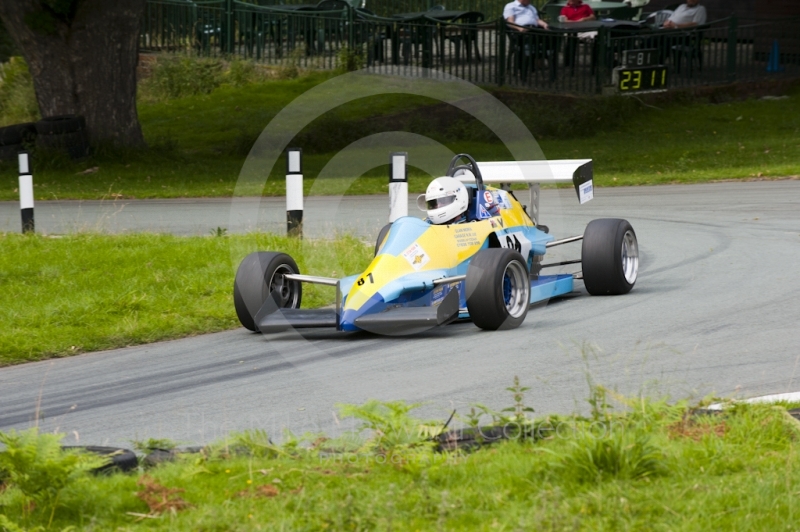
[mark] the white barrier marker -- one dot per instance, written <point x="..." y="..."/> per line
<point x="26" y="193"/>
<point x="398" y="186"/>
<point x="294" y="192"/>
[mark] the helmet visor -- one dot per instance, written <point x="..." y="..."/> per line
<point x="438" y="203"/>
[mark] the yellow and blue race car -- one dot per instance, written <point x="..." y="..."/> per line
<point x="486" y="268"/>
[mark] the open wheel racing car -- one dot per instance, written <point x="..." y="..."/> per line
<point x="485" y="267"/>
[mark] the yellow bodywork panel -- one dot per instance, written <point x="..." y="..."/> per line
<point x="439" y="247"/>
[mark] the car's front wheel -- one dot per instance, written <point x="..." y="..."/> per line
<point x="498" y="289"/>
<point x="609" y="257"/>
<point x="262" y="275"/>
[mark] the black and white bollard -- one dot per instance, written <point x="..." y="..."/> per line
<point x="398" y="186"/>
<point x="26" y="193"/>
<point x="294" y="192"/>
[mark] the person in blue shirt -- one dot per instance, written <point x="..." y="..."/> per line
<point x="521" y="13"/>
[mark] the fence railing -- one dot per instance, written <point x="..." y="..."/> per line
<point x="489" y="52"/>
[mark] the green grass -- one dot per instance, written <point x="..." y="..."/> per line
<point x="199" y="143"/>
<point x="657" y="468"/>
<point x="85" y="292"/>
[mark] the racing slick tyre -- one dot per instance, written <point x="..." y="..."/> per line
<point x="381" y="237"/>
<point x="610" y="257"/>
<point x="498" y="289"/>
<point x="260" y="275"/>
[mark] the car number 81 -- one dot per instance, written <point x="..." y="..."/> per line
<point x="516" y="241"/>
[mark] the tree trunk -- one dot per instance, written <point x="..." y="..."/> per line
<point x="83" y="62"/>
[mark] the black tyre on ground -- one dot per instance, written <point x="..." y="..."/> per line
<point x="610" y="257"/>
<point x="498" y="289"/>
<point x="261" y="275"/>
<point x="67" y="132"/>
<point x="118" y="459"/>
<point x="381" y="237"/>
<point x="58" y="125"/>
<point x="16" y="138"/>
<point x="10" y="152"/>
<point x="17" y="134"/>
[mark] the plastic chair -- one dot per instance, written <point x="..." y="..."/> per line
<point x="689" y="47"/>
<point x="658" y="18"/>
<point x="466" y="35"/>
<point x="332" y="5"/>
<point x="526" y="47"/>
<point x="372" y="33"/>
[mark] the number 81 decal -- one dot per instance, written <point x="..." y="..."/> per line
<point x="516" y="241"/>
<point x="361" y="280"/>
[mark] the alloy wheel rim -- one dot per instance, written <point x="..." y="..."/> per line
<point x="630" y="257"/>
<point x="516" y="289"/>
<point x="286" y="291"/>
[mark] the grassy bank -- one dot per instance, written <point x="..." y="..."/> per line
<point x="198" y="143"/>
<point x="655" y="467"/>
<point x="86" y="292"/>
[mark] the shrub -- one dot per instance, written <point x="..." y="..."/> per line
<point x="176" y="77"/>
<point x="349" y="59"/>
<point x="241" y="73"/>
<point x="17" y="97"/>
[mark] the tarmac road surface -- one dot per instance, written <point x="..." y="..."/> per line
<point x="715" y="310"/>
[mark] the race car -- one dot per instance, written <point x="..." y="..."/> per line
<point x="484" y="264"/>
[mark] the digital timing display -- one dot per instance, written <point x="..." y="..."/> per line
<point x="640" y="58"/>
<point x="641" y="79"/>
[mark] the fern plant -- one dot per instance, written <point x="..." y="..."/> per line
<point x="37" y="465"/>
<point x="390" y="424"/>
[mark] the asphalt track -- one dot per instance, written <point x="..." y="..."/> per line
<point x="715" y="310"/>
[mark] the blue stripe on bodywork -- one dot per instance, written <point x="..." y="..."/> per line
<point x="547" y="286"/>
<point x="417" y="297"/>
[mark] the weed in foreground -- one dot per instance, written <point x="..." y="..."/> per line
<point x="391" y="427"/>
<point x="637" y="477"/>
<point x="621" y="455"/>
<point x="150" y="444"/>
<point x="36" y="465"/>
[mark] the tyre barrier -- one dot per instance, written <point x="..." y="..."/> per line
<point x="119" y="459"/>
<point x="156" y="456"/>
<point x="66" y="132"/>
<point x="13" y="139"/>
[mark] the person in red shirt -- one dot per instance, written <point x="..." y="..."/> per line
<point x="577" y="11"/>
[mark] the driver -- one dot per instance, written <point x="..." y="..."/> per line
<point x="446" y="201"/>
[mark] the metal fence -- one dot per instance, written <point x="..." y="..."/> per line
<point x="386" y="8"/>
<point x="484" y="52"/>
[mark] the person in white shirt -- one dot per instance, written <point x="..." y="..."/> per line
<point x="687" y="15"/>
<point x="521" y="13"/>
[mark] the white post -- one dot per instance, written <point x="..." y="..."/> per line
<point x="398" y="186"/>
<point x="294" y="192"/>
<point x="26" y="193"/>
<point x="533" y="188"/>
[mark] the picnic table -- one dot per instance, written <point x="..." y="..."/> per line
<point x="440" y="15"/>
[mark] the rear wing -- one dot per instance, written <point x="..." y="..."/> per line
<point x="579" y="172"/>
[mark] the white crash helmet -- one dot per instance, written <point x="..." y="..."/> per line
<point x="445" y="199"/>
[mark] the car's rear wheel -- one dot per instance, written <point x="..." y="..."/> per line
<point x="609" y="257"/>
<point x="498" y="289"/>
<point x="262" y="275"/>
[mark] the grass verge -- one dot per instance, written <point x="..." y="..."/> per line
<point x="86" y="292"/>
<point x="658" y="466"/>
<point x="199" y="142"/>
